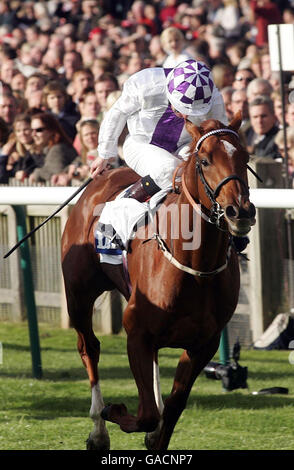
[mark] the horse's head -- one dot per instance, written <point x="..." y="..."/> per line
<point x="221" y="173"/>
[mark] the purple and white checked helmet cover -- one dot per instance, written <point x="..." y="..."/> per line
<point x="190" y="87"/>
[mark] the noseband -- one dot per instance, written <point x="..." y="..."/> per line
<point x="216" y="212"/>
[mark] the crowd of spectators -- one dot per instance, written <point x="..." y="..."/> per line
<point x="64" y="62"/>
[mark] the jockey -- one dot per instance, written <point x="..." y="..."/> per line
<point x="155" y="102"/>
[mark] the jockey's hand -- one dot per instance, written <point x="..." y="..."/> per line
<point x="98" y="166"/>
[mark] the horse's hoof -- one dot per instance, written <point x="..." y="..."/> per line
<point x="102" y="446"/>
<point x="113" y="412"/>
<point x="149" y="442"/>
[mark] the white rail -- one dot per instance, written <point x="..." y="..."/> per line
<point x="16" y="195"/>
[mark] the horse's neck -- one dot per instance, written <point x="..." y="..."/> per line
<point x="200" y="244"/>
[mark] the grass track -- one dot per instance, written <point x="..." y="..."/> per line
<point x="52" y="413"/>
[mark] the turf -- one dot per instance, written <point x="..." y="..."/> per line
<point x="52" y="413"/>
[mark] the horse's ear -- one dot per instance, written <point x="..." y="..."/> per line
<point x="193" y="130"/>
<point x="236" y="121"/>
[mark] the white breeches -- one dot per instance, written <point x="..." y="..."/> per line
<point x="148" y="159"/>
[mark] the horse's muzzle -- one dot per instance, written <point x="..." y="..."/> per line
<point x="240" y="218"/>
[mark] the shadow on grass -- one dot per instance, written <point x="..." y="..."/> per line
<point x="238" y="401"/>
<point x="50" y="408"/>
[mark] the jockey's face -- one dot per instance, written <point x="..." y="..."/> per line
<point x="177" y="113"/>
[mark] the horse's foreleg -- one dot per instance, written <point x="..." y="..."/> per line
<point x="188" y="369"/>
<point x="140" y="352"/>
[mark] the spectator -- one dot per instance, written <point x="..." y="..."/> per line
<point x="290" y="115"/>
<point x="72" y="61"/>
<point x="8" y="108"/>
<point x="168" y="12"/>
<point x="279" y="140"/>
<point x="103" y="86"/>
<point x="223" y="75"/>
<point x="242" y="78"/>
<point x="4" y="134"/>
<point x="263" y="13"/>
<point x="91" y="13"/>
<point x="79" y="169"/>
<point x="157" y="53"/>
<point x="172" y="41"/>
<point x="227" y="20"/>
<point x="135" y="63"/>
<point x="25" y="60"/>
<point x="88" y="53"/>
<point x="288" y="15"/>
<point x="35" y="82"/>
<point x="265" y="62"/>
<point x="58" y="102"/>
<point x="277" y="100"/>
<point x="82" y="79"/>
<point x="53" y="144"/>
<point x="226" y="93"/>
<point x="7" y="71"/>
<point x="18" y="83"/>
<point x="151" y="19"/>
<point x="100" y="66"/>
<point x="258" y="86"/>
<point x="19" y="146"/>
<point x="239" y="103"/>
<point x="89" y="108"/>
<point x="236" y="52"/>
<point x="261" y="134"/>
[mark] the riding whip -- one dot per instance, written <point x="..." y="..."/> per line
<point x="50" y="216"/>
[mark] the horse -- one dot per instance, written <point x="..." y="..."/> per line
<point x="179" y="298"/>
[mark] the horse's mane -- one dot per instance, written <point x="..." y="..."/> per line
<point x="205" y="126"/>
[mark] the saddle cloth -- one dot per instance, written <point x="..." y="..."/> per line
<point x="118" y="219"/>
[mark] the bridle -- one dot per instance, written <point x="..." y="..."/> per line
<point x="216" y="211"/>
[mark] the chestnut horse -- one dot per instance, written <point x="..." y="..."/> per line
<point x="180" y="298"/>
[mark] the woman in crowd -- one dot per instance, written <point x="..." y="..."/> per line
<point x="79" y="169"/>
<point x="53" y="143"/>
<point x="173" y="42"/>
<point x="89" y="108"/>
<point x="58" y="102"/>
<point x="19" y="147"/>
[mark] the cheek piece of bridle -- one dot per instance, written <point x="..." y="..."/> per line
<point x="216" y="212"/>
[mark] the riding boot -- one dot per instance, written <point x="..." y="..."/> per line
<point x="116" y="273"/>
<point x="143" y="189"/>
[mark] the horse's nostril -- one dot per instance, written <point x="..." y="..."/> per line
<point x="231" y="212"/>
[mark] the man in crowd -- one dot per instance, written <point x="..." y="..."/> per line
<point x="260" y="135"/>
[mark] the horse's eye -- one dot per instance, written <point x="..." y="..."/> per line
<point x="204" y="162"/>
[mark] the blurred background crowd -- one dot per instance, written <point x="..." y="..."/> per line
<point x="63" y="64"/>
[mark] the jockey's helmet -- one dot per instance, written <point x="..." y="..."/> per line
<point x="190" y="87"/>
